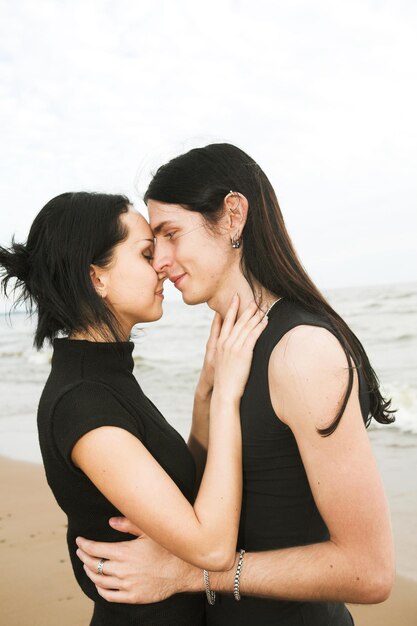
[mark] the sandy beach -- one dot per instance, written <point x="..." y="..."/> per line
<point x="38" y="588"/>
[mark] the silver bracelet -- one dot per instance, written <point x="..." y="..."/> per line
<point x="211" y="595"/>
<point x="236" y="591"/>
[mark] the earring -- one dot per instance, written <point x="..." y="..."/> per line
<point x="232" y="193"/>
<point x="236" y="241"/>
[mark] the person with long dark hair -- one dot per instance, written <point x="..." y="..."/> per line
<point x="314" y="529"/>
<point x="86" y="271"/>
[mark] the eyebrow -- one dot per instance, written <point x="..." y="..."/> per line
<point x="160" y="227"/>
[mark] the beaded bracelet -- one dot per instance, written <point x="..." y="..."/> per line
<point x="236" y="591"/>
<point x="211" y="595"/>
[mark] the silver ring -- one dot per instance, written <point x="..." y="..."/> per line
<point x="100" y="566"/>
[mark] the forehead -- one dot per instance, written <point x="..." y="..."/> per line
<point x="161" y="212"/>
<point x="137" y="224"/>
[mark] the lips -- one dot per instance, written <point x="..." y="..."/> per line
<point x="176" y="279"/>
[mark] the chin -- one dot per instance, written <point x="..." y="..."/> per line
<point x="151" y="316"/>
<point x="193" y="298"/>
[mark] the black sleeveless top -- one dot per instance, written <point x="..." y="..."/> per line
<point x="278" y="509"/>
<point x="92" y="385"/>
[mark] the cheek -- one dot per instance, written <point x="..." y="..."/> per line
<point x="201" y="251"/>
<point x="135" y="277"/>
<point x="143" y="277"/>
<point x="208" y="270"/>
<point x="149" y="278"/>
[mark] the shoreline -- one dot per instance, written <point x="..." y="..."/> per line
<point x="38" y="585"/>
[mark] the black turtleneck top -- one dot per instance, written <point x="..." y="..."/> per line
<point x="92" y="385"/>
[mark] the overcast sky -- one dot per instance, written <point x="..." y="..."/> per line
<point x="94" y="94"/>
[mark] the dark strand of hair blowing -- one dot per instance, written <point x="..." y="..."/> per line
<point x="51" y="271"/>
<point x="199" y="180"/>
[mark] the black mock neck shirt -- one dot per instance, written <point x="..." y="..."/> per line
<point x="92" y="385"/>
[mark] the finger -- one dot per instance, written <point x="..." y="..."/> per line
<point x="115" y="596"/>
<point x="92" y="563"/>
<point x="216" y="326"/>
<point x="104" y="582"/>
<point x="123" y="525"/>
<point x="248" y="334"/>
<point x="246" y="315"/>
<point x="250" y="317"/>
<point x="230" y="317"/>
<point x="98" y="549"/>
<point x="254" y="334"/>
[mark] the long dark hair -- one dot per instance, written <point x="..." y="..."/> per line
<point x="199" y="180"/>
<point x="51" y="271"/>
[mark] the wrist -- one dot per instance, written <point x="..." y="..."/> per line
<point x="224" y="398"/>
<point x="224" y="581"/>
<point x="203" y="390"/>
<point x="190" y="578"/>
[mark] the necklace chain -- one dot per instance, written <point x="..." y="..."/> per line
<point x="272" y="305"/>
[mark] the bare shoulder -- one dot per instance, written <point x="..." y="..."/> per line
<point x="308" y="375"/>
<point x="303" y="345"/>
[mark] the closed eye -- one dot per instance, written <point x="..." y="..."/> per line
<point x="147" y="254"/>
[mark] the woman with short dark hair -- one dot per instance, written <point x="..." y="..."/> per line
<point x="86" y="271"/>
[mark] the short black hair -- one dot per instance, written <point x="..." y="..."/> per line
<point x="52" y="269"/>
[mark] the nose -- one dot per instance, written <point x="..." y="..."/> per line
<point x="161" y="276"/>
<point x="162" y="261"/>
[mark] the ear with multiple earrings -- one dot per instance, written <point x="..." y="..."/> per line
<point x="236" y="239"/>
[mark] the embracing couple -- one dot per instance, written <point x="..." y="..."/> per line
<point x="274" y="512"/>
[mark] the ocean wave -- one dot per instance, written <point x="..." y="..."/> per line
<point x="11" y="353"/>
<point x="403" y="296"/>
<point x="39" y="358"/>
<point x="404" y="337"/>
<point x="25" y="355"/>
<point x="404" y="399"/>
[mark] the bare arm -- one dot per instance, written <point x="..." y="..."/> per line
<point x="126" y="473"/>
<point x="199" y="434"/>
<point x="308" y="378"/>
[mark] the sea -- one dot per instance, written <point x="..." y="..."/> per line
<point x="168" y="356"/>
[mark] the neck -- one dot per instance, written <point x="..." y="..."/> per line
<point x="96" y="335"/>
<point x="237" y="283"/>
